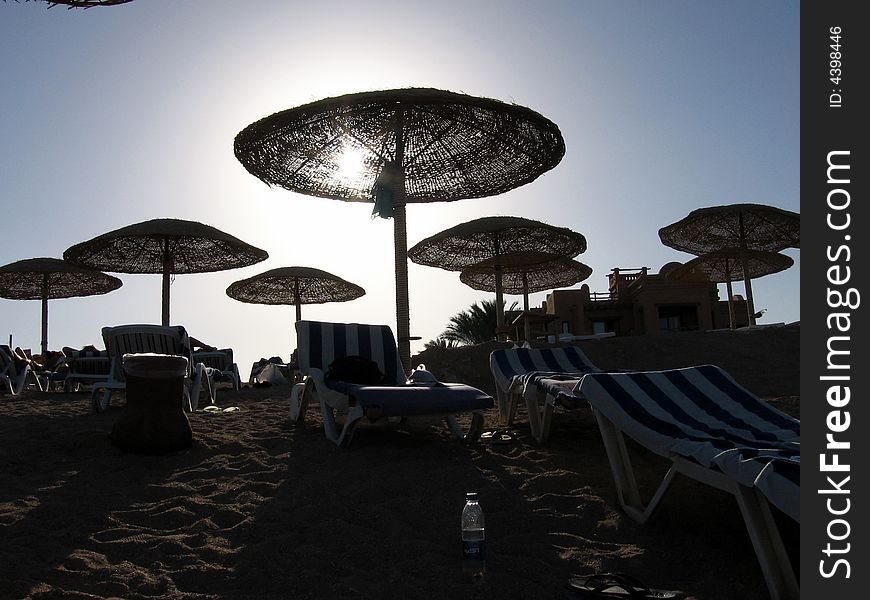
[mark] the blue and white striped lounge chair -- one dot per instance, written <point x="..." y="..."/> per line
<point x="320" y="344"/>
<point x="158" y="339"/>
<point x="544" y="377"/>
<point x="714" y="431"/>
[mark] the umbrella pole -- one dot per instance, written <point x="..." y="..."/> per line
<point x="44" y="341"/>
<point x="499" y="295"/>
<point x="730" y="302"/>
<point x="527" y="327"/>
<point x="499" y="306"/>
<point x="400" y="240"/>
<point x="296" y="300"/>
<point x="165" y="312"/>
<point x="747" y="284"/>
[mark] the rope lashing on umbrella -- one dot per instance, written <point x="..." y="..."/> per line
<point x="384" y="190"/>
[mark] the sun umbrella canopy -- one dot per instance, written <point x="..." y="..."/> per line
<point x="447" y="146"/>
<point x="166" y="246"/>
<point x="725" y="266"/>
<point x="741" y="226"/>
<point x="85" y="3"/>
<point x="543" y="272"/>
<point x="752" y="226"/>
<point x="50" y="278"/>
<point x="397" y="146"/>
<point x="524" y="273"/>
<point x="294" y="285"/>
<point x="504" y="241"/>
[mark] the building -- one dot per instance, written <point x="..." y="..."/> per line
<point x="637" y="303"/>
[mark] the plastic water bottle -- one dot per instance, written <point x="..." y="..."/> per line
<point x="473" y="537"/>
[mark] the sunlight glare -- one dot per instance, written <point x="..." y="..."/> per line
<point x="350" y="162"/>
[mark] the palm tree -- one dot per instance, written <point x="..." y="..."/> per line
<point x="440" y="342"/>
<point x="475" y="325"/>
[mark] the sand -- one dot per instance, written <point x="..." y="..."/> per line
<point x="258" y="508"/>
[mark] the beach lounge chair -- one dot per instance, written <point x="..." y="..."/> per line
<point x="543" y="377"/>
<point x="86" y="366"/>
<point x="714" y="431"/>
<point x="324" y="344"/>
<point x="15" y="371"/>
<point x="221" y="361"/>
<point x="158" y="339"/>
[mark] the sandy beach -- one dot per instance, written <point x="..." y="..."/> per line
<point x="258" y="508"/>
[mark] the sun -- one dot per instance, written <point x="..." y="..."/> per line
<point x="350" y="164"/>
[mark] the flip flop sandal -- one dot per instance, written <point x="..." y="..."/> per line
<point x="498" y="436"/>
<point x="615" y="585"/>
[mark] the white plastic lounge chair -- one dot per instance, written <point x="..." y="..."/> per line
<point x="322" y="343"/>
<point x="135" y="339"/>
<point x="86" y="367"/>
<point x="714" y="431"/>
<point x="544" y="377"/>
<point x="15" y="376"/>
<point x="222" y="363"/>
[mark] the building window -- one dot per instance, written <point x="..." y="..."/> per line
<point x="566" y="327"/>
<point x="678" y="318"/>
<point x="604" y="326"/>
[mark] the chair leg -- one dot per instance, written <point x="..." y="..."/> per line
<point x="299" y="403"/>
<point x="772" y="556"/>
<point x="343" y="438"/>
<point x="540" y="416"/>
<point x="101" y="402"/>
<point x="470" y="436"/>
<point x="623" y="473"/>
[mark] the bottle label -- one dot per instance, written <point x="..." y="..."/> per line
<point x="473" y="549"/>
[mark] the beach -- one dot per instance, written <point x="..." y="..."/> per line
<point x="260" y="508"/>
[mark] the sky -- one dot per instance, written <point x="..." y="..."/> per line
<point x="116" y="115"/>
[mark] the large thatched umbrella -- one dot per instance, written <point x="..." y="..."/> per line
<point x="50" y="278"/>
<point x="725" y="266"/>
<point x="542" y="272"/>
<point x="401" y="146"/>
<point x="294" y="285"/>
<point x="165" y="246"/>
<point x="505" y="241"/>
<point x="741" y="226"/>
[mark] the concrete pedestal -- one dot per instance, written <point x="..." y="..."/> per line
<point x="153" y="421"/>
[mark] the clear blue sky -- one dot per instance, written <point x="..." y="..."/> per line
<point x="115" y="115"/>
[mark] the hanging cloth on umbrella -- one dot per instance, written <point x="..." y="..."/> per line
<point x="384" y="190"/>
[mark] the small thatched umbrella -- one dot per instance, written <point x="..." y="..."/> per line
<point x="505" y="241"/>
<point x="741" y="226"/>
<point x="396" y="147"/>
<point x="50" y="278"/>
<point x="83" y="3"/>
<point x="165" y="246"/>
<point x="725" y="266"/>
<point x="294" y="285"/>
<point x="543" y="272"/>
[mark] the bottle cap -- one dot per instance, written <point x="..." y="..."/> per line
<point x="471" y="495"/>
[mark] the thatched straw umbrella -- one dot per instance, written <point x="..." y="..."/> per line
<point x="526" y="274"/>
<point x="396" y="147"/>
<point x="50" y="278"/>
<point x="167" y="247"/>
<point x="741" y="226"/>
<point x="294" y="285"/>
<point x="725" y="266"/>
<point x="82" y="3"/>
<point x="505" y="241"/>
